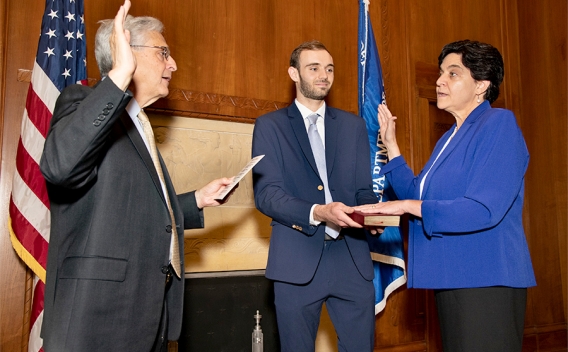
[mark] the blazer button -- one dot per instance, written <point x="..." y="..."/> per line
<point x="110" y="106"/>
<point x="164" y="269"/>
<point x="169" y="228"/>
<point x="105" y="111"/>
<point x="320" y="187"/>
<point x="96" y="123"/>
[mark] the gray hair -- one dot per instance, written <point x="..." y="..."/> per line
<point x="138" y="27"/>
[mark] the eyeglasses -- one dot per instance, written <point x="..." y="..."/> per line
<point x="165" y="50"/>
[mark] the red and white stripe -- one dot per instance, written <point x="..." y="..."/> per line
<point x="29" y="204"/>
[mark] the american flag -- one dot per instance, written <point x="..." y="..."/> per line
<point x="60" y="61"/>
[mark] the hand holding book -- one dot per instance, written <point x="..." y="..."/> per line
<point x="381" y="212"/>
<point x="375" y="219"/>
<point x="394" y="207"/>
<point x="378" y="215"/>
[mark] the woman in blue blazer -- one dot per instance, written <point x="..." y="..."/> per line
<point x="466" y="237"/>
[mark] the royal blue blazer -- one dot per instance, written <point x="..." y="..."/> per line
<point x="471" y="231"/>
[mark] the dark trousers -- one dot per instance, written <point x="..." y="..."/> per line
<point x="488" y="319"/>
<point x="349" y="299"/>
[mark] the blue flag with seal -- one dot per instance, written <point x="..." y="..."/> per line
<point x="387" y="249"/>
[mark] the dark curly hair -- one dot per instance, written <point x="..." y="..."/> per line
<point x="483" y="60"/>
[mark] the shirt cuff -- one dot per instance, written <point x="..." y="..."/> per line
<point x="312" y="221"/>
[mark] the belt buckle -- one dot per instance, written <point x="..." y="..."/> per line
<point x="329" y="238"/>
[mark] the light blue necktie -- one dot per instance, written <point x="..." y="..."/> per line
<point x="319" y="155"/>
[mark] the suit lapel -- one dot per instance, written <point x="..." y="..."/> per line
<point x="299" y="127"/>
<point x="455" y="142"/>
<point x="142" y="150"/>
<point x="331" y="132"/>
<point x="445" y="154"/>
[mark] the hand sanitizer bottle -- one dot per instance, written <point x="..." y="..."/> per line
<point x="257" y="335"/>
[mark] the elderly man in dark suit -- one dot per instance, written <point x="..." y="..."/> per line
<point x="316" y="167"/>
<point x="115" y="262"/>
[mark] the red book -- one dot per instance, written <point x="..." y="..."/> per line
<point x="375" y="219"/>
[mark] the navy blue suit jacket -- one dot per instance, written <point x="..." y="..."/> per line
<point x="471" y="231"/>
<point x="287" y="184"/>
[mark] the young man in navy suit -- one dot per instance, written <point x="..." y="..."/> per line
<point x="317" y="253"/>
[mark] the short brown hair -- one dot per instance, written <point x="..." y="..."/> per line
<point x="311" y="45"/>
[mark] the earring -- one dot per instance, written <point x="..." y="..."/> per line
<point x="478" y="101"/>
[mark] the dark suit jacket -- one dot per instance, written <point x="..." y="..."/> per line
<point x="287" y="184"/>
<point x="110" y="228"/>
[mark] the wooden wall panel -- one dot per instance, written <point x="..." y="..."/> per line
<point x="427" y="34"/>
<point x="544" y="123"/>
<point x="242" y="48"/>
<point x="232" y="61"/>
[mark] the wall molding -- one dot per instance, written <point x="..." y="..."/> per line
<point x="204" y="105"/>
